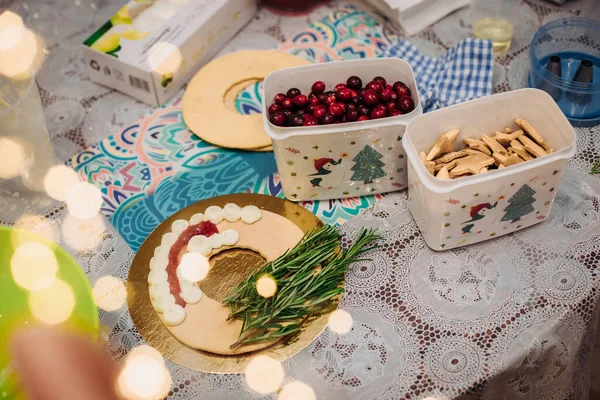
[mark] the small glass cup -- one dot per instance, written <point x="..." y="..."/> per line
<point x="26" y="154"/>
<point x="495" y="20"/>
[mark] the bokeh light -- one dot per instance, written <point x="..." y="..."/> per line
<point x="109" y="293"/>
<point x="297" y="391"/>
<point x="54" y="304"/>
<point x="33" y="266"/>
<point x="82" y="234"/>
<point x="25" y="57"/>
<point x="193" y="267"/>
<point x="266" y="286"/>
<point x="59" y="181"/>
<point x="36" y="224"/>
<point x="144" y="375"/>
<point x="13" y="154"/>
<point x="264" y="374"/>
<point x="340" y="321"/>
<point x="164" y="58"/>
<point x="84" y="200"/>
<point x="11" y="30"/>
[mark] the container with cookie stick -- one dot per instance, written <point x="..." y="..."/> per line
<point x="486" y="167"/>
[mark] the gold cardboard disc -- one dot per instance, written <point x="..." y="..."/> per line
<point x="229" y="102"/>
<point x="204" y="109"/>
<point x="155" y="333"/>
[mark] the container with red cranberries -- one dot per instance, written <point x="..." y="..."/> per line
<point x="382" y="100"/>
<point x="337" y="127"/>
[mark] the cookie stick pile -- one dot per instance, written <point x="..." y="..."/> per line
<point x="501" y="150"/>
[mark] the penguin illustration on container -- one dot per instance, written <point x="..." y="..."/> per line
<point x="330" y="173"/>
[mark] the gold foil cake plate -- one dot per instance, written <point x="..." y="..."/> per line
<point x="228" y="268"/>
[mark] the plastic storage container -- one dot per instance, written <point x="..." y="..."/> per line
<point x="340" y="160"/>
<point x="571" y="43"/>
<point x="462" y="211"/>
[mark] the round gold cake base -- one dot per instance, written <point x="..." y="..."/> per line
<point x="156" y="334"/>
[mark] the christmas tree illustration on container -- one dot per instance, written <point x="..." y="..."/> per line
<point x="368" y="166"/>
<point x="521" y="203"/>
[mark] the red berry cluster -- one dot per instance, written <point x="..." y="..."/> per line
<point x="348" y="102"/>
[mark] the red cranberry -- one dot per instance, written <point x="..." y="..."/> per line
<point x="404" y="91"/>
<point x="370" y="97"/>
<point x="389" y="87"/>
<point x="310" y="109"/>
<point x="394" y="113"/>
<point x="405" y="104"/>
<point x="294" y="120"/>
<point x="375" y="86"/>
<point x="354" y="82"/>
<point x="397" y="85"/>
<point x="329" y="93"/>
<point x="287" y="103"/>
<point x="357" y="101"/>
<point x="385" y="95"/>
<point x="278" y="119"/>
<point x="351" y="106"/>
<point x="328" y="119"/>
<point x="354" y="93"/>
<point x="279" y="98"/>
<point x="343" y="105"/>
<point x="310" y="122"/>
<point x="351" y="115"/>
<point x="378" y="113"/>
<point x="381" y="80"/>
<point x="319" y="111"/>
<point x="344" y="94"/>
<point x="293" y="92"/>
<point x="287" y="112"/>
<point x="273" y="108"/>
<point x="300" y="100"/>
<point x="329" y="99"/>
<point x="362" y="118"/>
<point x="394" y="96"/>
<point x="339" y="86"/>
<point x="313" y="100"/>
<point x="300" y="112"/>
<point x="336" y="109"/>
<point x="361" y="92"/>
<point x="390" y="106"/>
<point x="363" y="110"/>
<point x="318" y="87"/>
<point x="337" y="122"/>
<point x="321" y="97"/>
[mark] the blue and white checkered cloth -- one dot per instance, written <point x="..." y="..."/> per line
<point x="463" y="73"/>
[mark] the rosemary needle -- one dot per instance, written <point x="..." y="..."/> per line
<point x="303" y="288"/>
<point x="596" y="167"/>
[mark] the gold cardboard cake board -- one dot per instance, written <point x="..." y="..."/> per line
<point x="241" y="262"/>
<point x="203" y="106"/>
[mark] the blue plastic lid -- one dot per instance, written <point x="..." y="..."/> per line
<point x="573" y="46"/>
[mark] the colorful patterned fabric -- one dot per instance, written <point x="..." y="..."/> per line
<point x="155" y="166"/>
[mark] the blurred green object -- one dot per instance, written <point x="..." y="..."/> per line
<point x="21" y="308"/>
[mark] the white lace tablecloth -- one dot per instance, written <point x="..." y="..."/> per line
<point x="513" y="317"/>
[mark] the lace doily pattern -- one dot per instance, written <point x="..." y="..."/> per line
<point x="513" y="317"/>
<point x="465" y="309"/>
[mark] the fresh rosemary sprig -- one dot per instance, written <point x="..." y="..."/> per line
<point x="307" y="277"/>
<point x="596" y="167"/>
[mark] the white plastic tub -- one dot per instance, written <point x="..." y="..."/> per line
<point x="454" y="213"/>
<point x="300" y="150"/>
